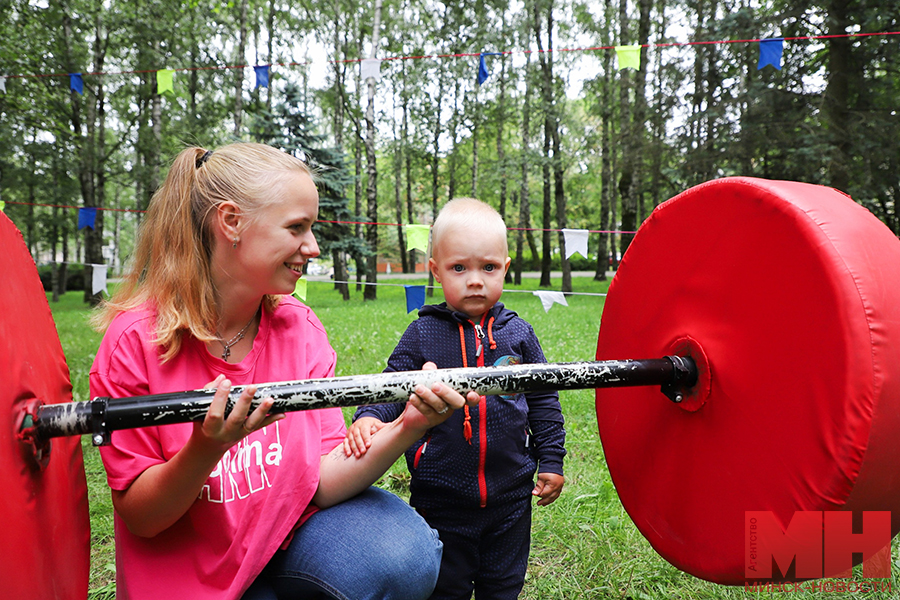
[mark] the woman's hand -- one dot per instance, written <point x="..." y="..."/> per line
<point x="164" y="492"/>
<point x="343" y="475"/>
<point x="432" y="405"/>
<point x="222" y="432"/>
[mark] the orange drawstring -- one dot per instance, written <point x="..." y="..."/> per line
<point x="467" y="424"/>
<point x="491" y="334"/>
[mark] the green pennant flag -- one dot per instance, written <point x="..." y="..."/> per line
<point x="417" y="237"/>
<point x="164" y="81"/>
<point x="300" y="289"/>
<point x="2" y="206"/>
<point x="629" y="56"/>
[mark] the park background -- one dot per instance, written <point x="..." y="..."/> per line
<point x="553" y="130"/>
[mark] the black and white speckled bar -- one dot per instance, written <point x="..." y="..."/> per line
<point x="101" y="416"/>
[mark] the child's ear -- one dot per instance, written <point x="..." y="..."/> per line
<point x="432" y="266"/>
<point x="506" y="267"/>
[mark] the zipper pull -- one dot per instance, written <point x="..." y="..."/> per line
<point x="479" y="332"/>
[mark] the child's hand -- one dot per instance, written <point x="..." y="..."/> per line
<point x="359" y="435"/>
<point x="548" y="488"/>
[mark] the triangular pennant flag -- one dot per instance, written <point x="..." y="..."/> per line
<point x="482" y="70"/>
<point x="576" y="241"/>
<point x="2" y="83"/>
<point x="87" y="217"/>
<point x="629" y="56"/>
<point x="98" y="279"/>
<point x="417" y="237"/>
<point x="415" y="297"/>
<point x="548" y="298"/>
<point x="370" y="67"/>
<point x="770" y="51"/>
<point x="76" y="83"/>
<point x="300" y="289"/>
<point x="164" y="81"/>
<point x="262" y="75"/>
<point x="2" y="206"/>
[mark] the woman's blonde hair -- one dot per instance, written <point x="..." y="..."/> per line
<point x="468" y="214"/>
<point x="171" y="263"/>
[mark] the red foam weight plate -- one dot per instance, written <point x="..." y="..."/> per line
<point x="46" y="530"/>
<point x="789" y="294"/>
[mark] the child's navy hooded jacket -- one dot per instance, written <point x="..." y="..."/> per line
<point x="484" y="455"/>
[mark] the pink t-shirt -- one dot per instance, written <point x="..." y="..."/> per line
<point x="262" y="486"/>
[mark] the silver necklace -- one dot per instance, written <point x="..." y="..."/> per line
<point x="226" y="346"/>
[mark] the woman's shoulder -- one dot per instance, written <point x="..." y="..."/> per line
<point x="137" y="322"/>
<point x="290" y="312"/>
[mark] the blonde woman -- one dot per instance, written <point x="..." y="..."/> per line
<point x="248" y="505"/>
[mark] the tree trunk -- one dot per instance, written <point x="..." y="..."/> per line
<point x="337" y="256"/>
<point x="837" y="94"/>
<point x="559" y="190"/>
<point x="475" y="124"/>
<point x="54" y="264"/>
<point x="239" y="70"/>
<point x="636" y="189"/>
<point x="407" y="163"/>
<point x="524" y="207"/>
<point x="30" y="240"/>
<point x="270" y="52"/>
<point x="371" y="290"/>
<point x="606" y="149"/>
<point x="626" y="172"/>
<point x="501" y="155"/>
<point x="86" y="152"/>
<point x="546" y="158"/>
<point x="357" y="190"/>
<point x="96" y="125"/>
<point x="451" y="160"/>
<point x="398" y="201"/>
<point x="435" y="165"/>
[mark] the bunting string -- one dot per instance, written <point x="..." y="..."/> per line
<point x="135" y="210"/>
<point x="464" y="55"/>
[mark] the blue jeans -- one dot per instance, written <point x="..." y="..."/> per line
<point x="373" y="546"/>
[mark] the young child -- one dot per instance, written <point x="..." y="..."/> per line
<point x="473" y="475"/>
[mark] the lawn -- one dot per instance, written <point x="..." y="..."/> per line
<point x="584" y="546"/>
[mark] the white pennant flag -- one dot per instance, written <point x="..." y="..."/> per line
<point x="371" y="67"/>
<point x="98" y="279"/>
<point x="548" y="298"/>
<point x="2" y="83"/>
<point x="576" y="241"/>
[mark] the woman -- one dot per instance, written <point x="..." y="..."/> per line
<point x="246" y="504"/>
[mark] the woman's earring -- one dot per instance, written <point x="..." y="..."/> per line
<point x="234" y="243"/>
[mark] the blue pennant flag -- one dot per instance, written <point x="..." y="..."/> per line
<point x="770" y="51"/>
<point x="415" y="297"/>
<point x="262" y="76"/>
<point x="76" y="83"/>
<point x="482" y="70"/>
<point x="87" y="217"/>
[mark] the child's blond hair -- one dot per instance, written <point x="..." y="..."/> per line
<point x="468" y="214"/>
<point x="171" y="263"/>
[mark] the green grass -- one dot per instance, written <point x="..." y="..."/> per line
<point x="584" y="545"/>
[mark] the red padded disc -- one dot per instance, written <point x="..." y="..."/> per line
<point x="789" y="293"/>
<point x="46" y="531"/>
